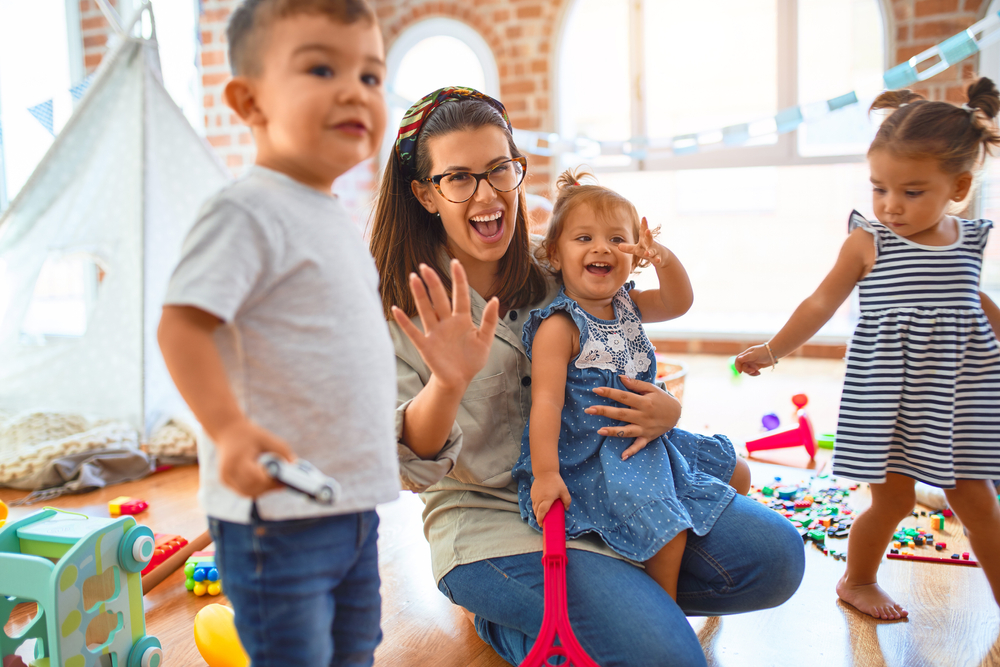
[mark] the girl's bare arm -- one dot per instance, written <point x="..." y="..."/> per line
<point x="856" y="258"/>
<point x="554" y="345"/>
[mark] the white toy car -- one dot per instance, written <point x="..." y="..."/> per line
<point x="303" y="477"/>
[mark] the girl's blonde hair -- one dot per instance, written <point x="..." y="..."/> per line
<point x="571" y="193"/>
<point x="958" y="138"/>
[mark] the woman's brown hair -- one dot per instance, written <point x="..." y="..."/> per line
<point x="572" y="192"/>
<point x="956" y="137"/>
<point x="405" y="235"/>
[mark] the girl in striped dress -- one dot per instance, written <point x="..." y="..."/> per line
<point x="921" y="397"/>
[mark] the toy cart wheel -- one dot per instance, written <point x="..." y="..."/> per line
<point x="136" y="549"/>
<point x="273" y="468"/>
<point x="325" y="495"/>
<point x="146" y="652"/>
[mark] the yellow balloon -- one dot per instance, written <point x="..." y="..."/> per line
<point x="216" y="638"/>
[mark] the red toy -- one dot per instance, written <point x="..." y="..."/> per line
<point x="931" y="559"/>
<point x="125" y="505"/>
<point x="165" y="547"/>
<point x="555" y="621"/>
<point x="801" y="435"/>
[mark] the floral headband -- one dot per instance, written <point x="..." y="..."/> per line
<point x="413" y="120"/>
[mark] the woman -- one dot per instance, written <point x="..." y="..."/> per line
<point x="454" y="191"/>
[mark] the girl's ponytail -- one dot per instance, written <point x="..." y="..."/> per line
<point x="894" y="99"/>
<point x="984" y="104"/>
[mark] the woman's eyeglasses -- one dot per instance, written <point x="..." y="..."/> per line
<point x="459" y="186"/>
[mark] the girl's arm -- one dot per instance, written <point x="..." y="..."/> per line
<point x="992" y="313"/>
<point x="675" y="296"/>
<point x="185" y="337"/>
<point x="453" y="348"/>
<point x="554" y="345"/>
<point x="856" y="258"/>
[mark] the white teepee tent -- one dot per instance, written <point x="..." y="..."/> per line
<point x="121" y="185"/>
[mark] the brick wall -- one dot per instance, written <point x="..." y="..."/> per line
<point x="915" y="25"/>
<point x="95" y="31"/>
<point x="522" y="36"/>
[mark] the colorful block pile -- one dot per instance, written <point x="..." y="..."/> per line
<point x="817" y="507"/>
<point x="200" y="574"/>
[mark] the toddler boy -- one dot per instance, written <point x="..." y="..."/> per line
<point x="273" y="331"/>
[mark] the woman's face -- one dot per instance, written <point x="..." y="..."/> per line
<point x="480" y="229"/>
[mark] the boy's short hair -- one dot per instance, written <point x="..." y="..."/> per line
<point x="250" y="21"/>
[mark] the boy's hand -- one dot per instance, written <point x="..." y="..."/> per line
<point x="646" y="248"/>
<point x="240" y="445"/>
<point x="545" y="490"/>
<point x="751" y="360"/>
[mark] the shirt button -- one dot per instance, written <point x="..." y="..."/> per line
<point x="513" y="315"/>
<point x="526" y="381"/>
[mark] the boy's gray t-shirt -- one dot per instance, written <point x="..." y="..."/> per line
<point x="304" y="340"/>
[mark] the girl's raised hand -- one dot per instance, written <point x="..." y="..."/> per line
<point x="451" y="344"/>
<point x="751" y="360"/>
<point x="646" y="248"/>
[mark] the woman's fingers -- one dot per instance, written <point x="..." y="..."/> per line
<point x="460" y="289"/>
<point x="637" y="445"/>
<point x="618" y="414"/>
<point x="491" y="316"/>
<point x="425" y="310"/>
<point x="638" y="386"/>
<point x="621" y="431"/>
<point x="628" y="398"/>
<point x="415" y="335"/>
<point x="439" y="296"/>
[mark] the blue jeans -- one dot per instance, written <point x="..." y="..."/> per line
<point x="751" y="559"/>
<point x="305" y="592"/>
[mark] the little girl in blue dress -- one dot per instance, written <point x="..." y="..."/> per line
<point x="640" y="496"/>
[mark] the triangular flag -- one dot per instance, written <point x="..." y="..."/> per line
<point x="79" y="89"/>
<point x="43" y="114"/>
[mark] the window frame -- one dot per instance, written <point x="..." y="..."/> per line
<point x="784" y="152"/>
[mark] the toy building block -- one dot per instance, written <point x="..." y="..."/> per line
<point x="3" y="514"/>
<point x="802" y="435"/>
<point x="165" y="547"/>
<point x="125" y="505"/>
<point x="83" y="573"/>
<point x="201" y="576"/>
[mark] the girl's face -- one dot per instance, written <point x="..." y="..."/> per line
<point x="480" y="229"/>
<point x="586" y="252"/>
<point x="910" y="196"/>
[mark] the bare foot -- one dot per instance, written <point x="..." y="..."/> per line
<point x="870" y="599"/>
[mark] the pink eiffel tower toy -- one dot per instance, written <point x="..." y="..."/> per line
<point x="555" y="621"/>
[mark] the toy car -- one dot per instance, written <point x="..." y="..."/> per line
<point x="303" y="477"/>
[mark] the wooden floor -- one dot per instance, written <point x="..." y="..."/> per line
<point x="954" y="620"/>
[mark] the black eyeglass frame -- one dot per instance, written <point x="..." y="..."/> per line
<point x="436" y="180"/>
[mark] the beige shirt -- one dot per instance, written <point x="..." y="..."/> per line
<point x="471" y="511"/>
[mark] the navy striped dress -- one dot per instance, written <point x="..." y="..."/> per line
<point x="922" y="391"/>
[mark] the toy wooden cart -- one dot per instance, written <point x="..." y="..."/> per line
<point x="83" y="573"/>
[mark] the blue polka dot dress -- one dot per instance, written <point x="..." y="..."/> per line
<point x="676" y="482"/>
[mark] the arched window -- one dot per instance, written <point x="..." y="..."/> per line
<point x="989" y="195"/>
<point x="432" y="54"/>
<point x="759" y="220"/>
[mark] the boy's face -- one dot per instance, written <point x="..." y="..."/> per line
<point x="320" y="97"/>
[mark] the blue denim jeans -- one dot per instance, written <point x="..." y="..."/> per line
<point x="305" y="592"/>
<point x="751" y="559"/>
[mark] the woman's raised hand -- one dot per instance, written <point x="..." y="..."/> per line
<point x="451" y="344"/>
<point x="651" y="412"/>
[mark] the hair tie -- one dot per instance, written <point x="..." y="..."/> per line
<point x="971" y="110"/>
<point x="576" y="182"/>
<point x="413" y="120"/>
